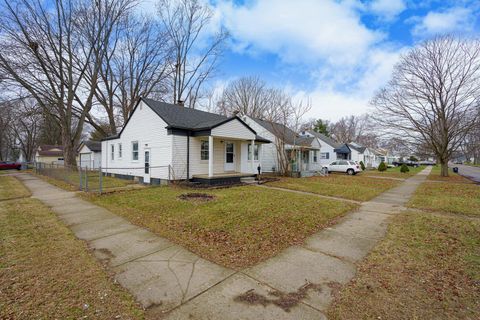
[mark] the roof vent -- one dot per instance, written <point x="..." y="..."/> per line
<point x="181" y="103"/>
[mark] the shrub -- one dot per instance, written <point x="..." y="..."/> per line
<point x="362" y="165"/>
<point x="382" y="166"/>
<point x="404" y="168"/>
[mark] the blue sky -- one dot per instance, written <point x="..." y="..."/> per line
<point x="336" y="53"/>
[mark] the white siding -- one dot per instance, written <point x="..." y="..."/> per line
<point x="198" y="166"/>
<point x="233" y="129"/>
<point x="146" y="127"/>
<point x="268" y="152"/>
<point x="89" y="159"/>
<point x="326" y="148"/>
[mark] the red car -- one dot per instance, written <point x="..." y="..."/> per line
<point x="6" y="165"/>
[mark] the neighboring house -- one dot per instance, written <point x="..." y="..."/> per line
<point x="49" y="154"/>
<point x="164" y="142"/>
<point x="90" y="154"/>
<point x="306" y="148"/>
<point x="385" y="156"/>
<point x="327" y="147"/>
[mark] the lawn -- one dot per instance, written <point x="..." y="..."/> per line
<point x="393" y="172"/>
<point x="459" y="198"/>
<point x="45" y="273"/>
<point x="428" y="267"/>
<point x="11" y="188"/>
<point x="70" y="180"/>
<point x="358" y="187"/>
<point x="239" y="227"/>
<point x="452" y="177"/>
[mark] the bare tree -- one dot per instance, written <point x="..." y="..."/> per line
<point x="194" y="57"/>
<point x="433" y="96"/>
<point x="247" y="96"/>
<point x="59" y="43"/>
<point x="134" y="66"/>
<point x="26" y="125"/>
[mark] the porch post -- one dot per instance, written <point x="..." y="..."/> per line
<point x="210" y="156"/>
<point x="252" y="155"/>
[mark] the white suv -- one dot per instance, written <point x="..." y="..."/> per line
<point x="347" y="166"/>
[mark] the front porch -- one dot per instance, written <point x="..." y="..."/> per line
<point x="221" y="178"/>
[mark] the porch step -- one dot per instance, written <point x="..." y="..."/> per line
<point x="248" y="180"/>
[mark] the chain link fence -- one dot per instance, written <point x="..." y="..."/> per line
<point x="102" y="180"/>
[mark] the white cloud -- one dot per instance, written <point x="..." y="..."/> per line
<point x="387" y="9"/>
<point x="451" y="20"/>
<point x="300" y="32"/>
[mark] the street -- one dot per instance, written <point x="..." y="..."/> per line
<point x="469" y="172"/>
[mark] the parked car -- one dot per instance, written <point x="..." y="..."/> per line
<point x="6" y="165"/>
<point x="347" y="166"/>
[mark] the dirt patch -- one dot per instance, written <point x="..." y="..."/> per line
<point x="194" y="196"/>
<point x="285" y="301"/>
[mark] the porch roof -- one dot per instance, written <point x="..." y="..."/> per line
<point x="343" y="149"/>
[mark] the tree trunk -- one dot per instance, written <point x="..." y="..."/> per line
<point x="69" y="152"/>
<point x="444" y="168"/>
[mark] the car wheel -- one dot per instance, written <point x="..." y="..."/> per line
<point x="350" y="172"/>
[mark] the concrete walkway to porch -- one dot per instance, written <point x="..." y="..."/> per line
<point x="166" y="278"/>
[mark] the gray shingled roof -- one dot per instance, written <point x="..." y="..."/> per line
<point x="95" y="146"/>
<point x="359" y="148"/>
<point x="283" y="132"/>
<point x="184" y="118"/>
<point x="325" y="139"/>
<point x="178" y="117"/>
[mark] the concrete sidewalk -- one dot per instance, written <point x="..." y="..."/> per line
<point x="166" y="278"/>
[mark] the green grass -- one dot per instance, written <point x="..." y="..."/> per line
<point x="427" y="267"/>
<point x="11" y="188"/>
<point x="358" y="187"/>
<point x="239" y="227"/>
<point x="70" y="180"/>
<point x="452" y="177"/>
<point x="460" y="198"/>
<point x="394" y="172"/>
<point x="45" y="273"/>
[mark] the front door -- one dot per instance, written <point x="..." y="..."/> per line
<point x="146" y="176"/>
<point x="229" y="156"/>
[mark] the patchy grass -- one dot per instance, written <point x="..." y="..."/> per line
<point x="11" y="188"/>
<point x="462" y="198"/>
<point x="360" y="188"/>
<point x="69" y="180"/>
<point x="452" y="177"/>
<point x="428" y="267"/>
<point x="394" y="172"/>
<point x="45" y="273"/>
<point x="239" y="227"/>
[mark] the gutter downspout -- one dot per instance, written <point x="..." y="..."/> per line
<point x="188" y="156"/>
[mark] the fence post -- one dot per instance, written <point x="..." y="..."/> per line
<point x="86" y="180"/>
<point x="100" y="177"/>
<point x="80" y="178"/>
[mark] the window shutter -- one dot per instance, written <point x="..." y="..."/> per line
<point x="328" y="155"/>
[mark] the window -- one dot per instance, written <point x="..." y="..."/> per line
<point x="324" y="155"/>
<point x="112" y="148"/>
<point x="135" y="150"/>
<point x="343" y="163"/>
<point x="204" y="150"/>
<point x="119" y="151"/>
<point x="315" y="156"/>
<point x="255" y="152"/>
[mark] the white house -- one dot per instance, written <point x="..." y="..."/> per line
<point x="327" y="147"/>
<point x="49" y="154"/>
<point x="90" y="154"/>
<point x="307" y="147"/>
<point x="163" y="142"/>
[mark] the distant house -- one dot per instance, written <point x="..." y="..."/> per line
<point x="307" y="148"/>
<point x="90" y="154"/>
<point x="50" y="154"/>
<point x="163" y="142"/>
<point x="327" y="147"/>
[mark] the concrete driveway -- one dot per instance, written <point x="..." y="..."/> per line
<point x="470" y="172"/>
